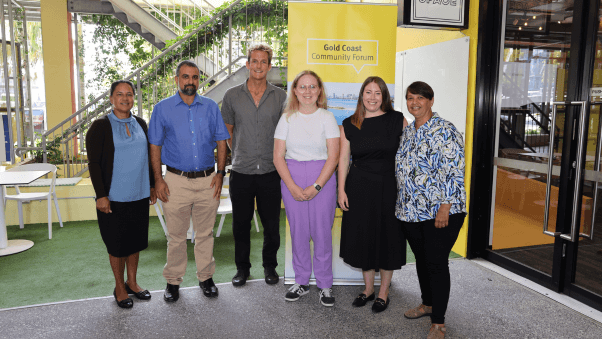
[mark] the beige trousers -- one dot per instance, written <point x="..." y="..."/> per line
<point x="189" y="197"/>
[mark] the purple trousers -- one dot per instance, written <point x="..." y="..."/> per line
<point x="311" y="220"/>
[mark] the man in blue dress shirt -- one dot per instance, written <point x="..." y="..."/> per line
<point x="183" y="132"/>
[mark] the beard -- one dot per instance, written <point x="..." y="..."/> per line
<point x="188" y="90"/>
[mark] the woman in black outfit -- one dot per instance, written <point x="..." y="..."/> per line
<point x="371" y="237"/>
<point x="121" y="174"/>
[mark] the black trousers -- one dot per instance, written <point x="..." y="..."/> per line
<point x="244" y="189"/>
<point x="431" y="247"/>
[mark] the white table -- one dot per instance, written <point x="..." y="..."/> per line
<point x="8" y="247"/>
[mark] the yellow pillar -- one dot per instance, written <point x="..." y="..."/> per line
<point x="57" y="76"/>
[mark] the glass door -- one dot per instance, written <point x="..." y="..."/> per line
<point x="547" y="204"/>
<point x="584" y="255"/>
<point x="533" y="75"/>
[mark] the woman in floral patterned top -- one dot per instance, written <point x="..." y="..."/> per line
<point x="432" y="201"/>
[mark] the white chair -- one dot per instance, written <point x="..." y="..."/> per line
<point x="225" y="207"/>
<point x="159" y="210"/>
<point x="159" y="205"/>
<point x="49" y="196"/>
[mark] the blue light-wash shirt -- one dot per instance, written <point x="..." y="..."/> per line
<point x="187" y="134"/>
<point x="430" y="170"/>
<point x="130" y="181"/>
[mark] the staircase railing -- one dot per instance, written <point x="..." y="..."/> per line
<point x="176" y="14"/>
<point x="64" y="143"/>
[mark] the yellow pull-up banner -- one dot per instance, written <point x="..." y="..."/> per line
<point x="344" y="43"/>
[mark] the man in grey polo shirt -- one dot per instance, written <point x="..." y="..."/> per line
<point x="251" y="112"/>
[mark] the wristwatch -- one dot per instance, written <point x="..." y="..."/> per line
<point x="222" y="172"/>
<point x="317" y="187"/>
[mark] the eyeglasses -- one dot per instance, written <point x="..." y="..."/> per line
<point x="312" y="88"/>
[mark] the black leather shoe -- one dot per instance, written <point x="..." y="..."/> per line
<point x="271" y="276"/>
<point x="172" y="293"/>
<point x="361" y="300"/>
<point x="142" y="295"/>
<point x="240" y="278"/>
<point x="209" y="288"/>
<point x="380" y="305"/>
<point x="125" y="303"/>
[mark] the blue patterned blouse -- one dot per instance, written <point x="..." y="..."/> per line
<point x="429" y="166"/>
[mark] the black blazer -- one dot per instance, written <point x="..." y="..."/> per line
<point x="101" y="153"/>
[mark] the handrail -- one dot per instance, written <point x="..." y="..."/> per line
<point x="181" y="41"/>
<point x="515" y="134"/>
<point x="222" y="70"/>
<point x="73" y="128"/>
<point x="543" y="115"/>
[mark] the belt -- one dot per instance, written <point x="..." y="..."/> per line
<point x="191" y="175"/>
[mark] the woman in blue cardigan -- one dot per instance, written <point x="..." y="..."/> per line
<point x="118" y="162"/>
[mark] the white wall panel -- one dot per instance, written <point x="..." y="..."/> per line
<point x="444" y="66"/>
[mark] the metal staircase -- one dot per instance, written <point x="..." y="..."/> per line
<point x="154" y="20"/>
<point x="131" y="15"/>
<point x="217" y="40"/>
<point x="178" y="14"/>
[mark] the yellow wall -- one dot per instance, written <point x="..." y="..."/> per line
<point x="57" y="77"/>
<point x="408" y="38"/>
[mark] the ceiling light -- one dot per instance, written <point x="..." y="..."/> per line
<point x="540" y="28"/>
<point x="534" y="17"/>
<point x="520" y="28"/>
<point x="526" y="24"/>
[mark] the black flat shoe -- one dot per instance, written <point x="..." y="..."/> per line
<point x="142" y="295"/>
<point x="361" y="300"/>
<point x="125" y="303"/>
<point x="208" y="287"/>
<point x="380" y="305"/>
<point x="240" y="278"/>
<point x="172" y="293"/>
<point x="271" y="277"/>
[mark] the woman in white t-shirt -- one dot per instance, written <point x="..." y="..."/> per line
<point x="306" y="153"/>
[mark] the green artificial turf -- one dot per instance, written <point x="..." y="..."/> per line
<point x="75" y="264"/>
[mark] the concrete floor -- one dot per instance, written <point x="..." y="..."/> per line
<point x="483" y="304"/>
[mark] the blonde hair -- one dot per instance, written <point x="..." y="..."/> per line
<point x="260" y="47"/>
<point x="292" y="103"/>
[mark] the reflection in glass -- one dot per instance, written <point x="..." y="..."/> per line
<point x="533" y="74"/>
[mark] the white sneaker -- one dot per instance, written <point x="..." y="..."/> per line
<point x="296" y="291"/>
<point x="326" y="297"/>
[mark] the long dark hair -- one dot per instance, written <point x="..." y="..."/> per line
<point x="360" y="111"/>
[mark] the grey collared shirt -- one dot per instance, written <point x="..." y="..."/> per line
<point x="254" y="127"/>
